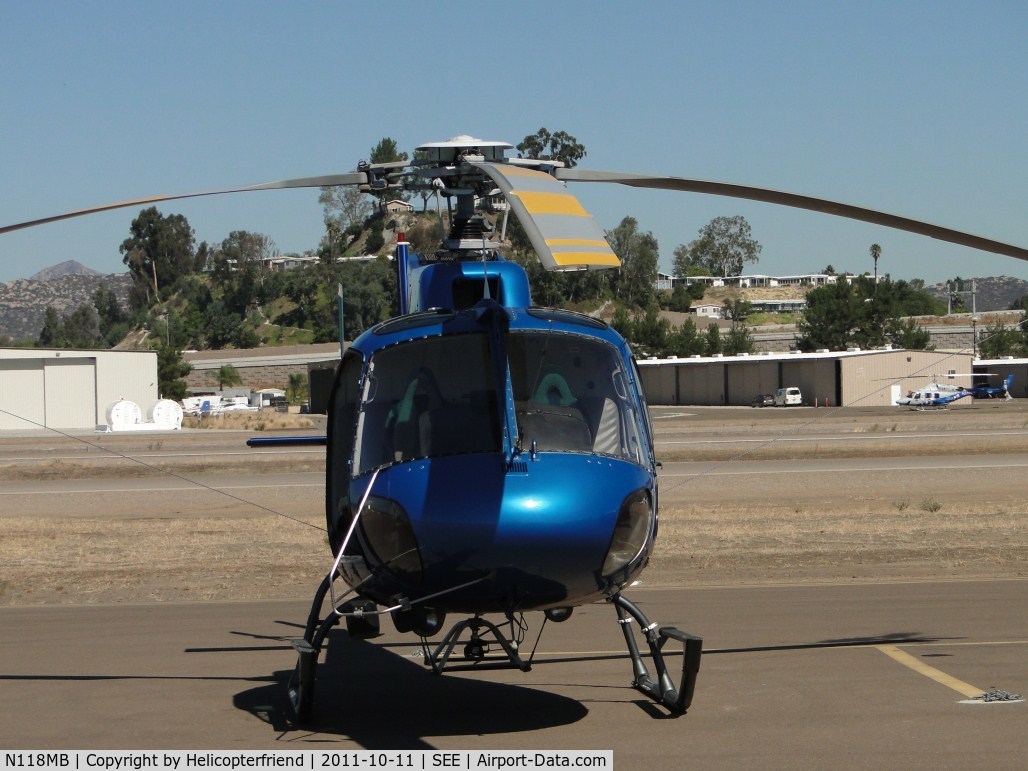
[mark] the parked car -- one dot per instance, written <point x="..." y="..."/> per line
<point x="763" y="400"/>
<point x="788" y="397"/>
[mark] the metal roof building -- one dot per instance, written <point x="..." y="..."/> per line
<point x="71" y="389"/>
<point x="849" y="378"/>
<point x="1000" y="369"/>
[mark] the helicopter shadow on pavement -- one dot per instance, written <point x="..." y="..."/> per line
<point x="382" y="700"/>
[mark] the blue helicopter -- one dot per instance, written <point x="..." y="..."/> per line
<point x="486" y="457"/>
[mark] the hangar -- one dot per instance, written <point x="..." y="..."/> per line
<point x="71" y="389"/>
<point x="848" y="378"/>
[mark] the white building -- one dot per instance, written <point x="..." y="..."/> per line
<point x="71" y="389"/>
<point x="666" y="281"/>
<point x="708" y="310"/>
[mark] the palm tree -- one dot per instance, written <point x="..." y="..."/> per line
<point x="876" y="252"/>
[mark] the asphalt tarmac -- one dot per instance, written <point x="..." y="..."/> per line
<point x="813" y="675"/>
<point x="834" y="675"/>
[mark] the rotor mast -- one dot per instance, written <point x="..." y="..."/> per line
<point x="447" y="167"/>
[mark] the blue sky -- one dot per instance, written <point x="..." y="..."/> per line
<point x="913" y="108"/>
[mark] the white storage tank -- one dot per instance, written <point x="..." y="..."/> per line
<point x="123" y="413"/>
<point x="165" y="414"/>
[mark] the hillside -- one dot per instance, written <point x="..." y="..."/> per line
<point x="66" y="268"/>
<point x="23" y="301"/>
<point x="993" y="294"/>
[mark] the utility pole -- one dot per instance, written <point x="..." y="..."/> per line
<point x="974" y="309"/>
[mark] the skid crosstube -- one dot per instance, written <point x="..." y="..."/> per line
<point x="475" y="649"/>
<point x="662" y="689"/>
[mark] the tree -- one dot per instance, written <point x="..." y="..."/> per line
<point x="737" y="310"/>
<point x="724" y="245"/>
<point x="876" y="253"/>
<point x="239" y="266"/>
<point x="296" y="391"/>
<point x="82" y="328"/>
<point x="347" y="207"/>
<point x="621" y="322"/>
<point x="713" y="339"/>
<point x="829" y="319"/>
<point x="50" y="336"/>
<point x="851" y="313"/>
<point x="220" y="324"/>
<point x="159" y="252"/>
<point x="243" y="249"/>
<point x="386" y="151"/>
<point x="171" y="370"/>
<point x="227" y="375"/>
<point x="999" y="340"/>
<point x="560" y="146"/>
<point x="113" y="321"/>
<point x="738" y="340"/>
<point x="683" y="264"/>
<point x="376" y="239"/>
<point x="909" y="334"/>
<point x="639" y="255"/>
<point x="650" y="332"/>
<point x="1020" y="304"/>
<point x="78" y="329"/>
<point x="687" y="341"/>
<point x="681" y="299"/>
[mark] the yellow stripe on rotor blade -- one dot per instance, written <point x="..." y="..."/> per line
<point x="551" y="203"/>
<point x="587" y="258"/>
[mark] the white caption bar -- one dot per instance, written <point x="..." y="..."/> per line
<point x="393" y="760"/>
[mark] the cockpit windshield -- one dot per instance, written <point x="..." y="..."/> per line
<point x="427" y="398"/>
<point x="571" y="394"/>
<point x="438" y="396"/>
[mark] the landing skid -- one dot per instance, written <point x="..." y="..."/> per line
<point x="362" y="621"/>
<point x="662" y="689"/>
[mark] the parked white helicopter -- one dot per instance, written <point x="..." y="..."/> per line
<point x="937" y="396"/>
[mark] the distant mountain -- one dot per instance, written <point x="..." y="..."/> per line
<point x="66" y="268"/>
<point x="23" y="302"/>
<point x="991" y="294"/>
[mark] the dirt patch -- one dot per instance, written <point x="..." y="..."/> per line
<point x="730" y="544"/>
<point x="264" y="420"/>
<point x="912" y="526"/>
<point x="58" y="561"/>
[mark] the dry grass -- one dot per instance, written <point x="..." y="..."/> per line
<point x="56" y="560"/>
<point x="704" y="543"/>
<point x="100" y="560"/>
<point x="265" y="420"/>
<point x="191" y="546"/>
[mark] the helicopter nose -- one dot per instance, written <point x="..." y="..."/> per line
<point x="563" y="526"/>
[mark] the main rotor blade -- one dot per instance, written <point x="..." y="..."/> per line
<point x="331" y="180"/>
<point x="564" y="235"/>
<point x="798" y="201"/>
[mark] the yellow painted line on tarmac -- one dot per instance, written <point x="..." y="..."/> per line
<point x="965" y="689"/>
